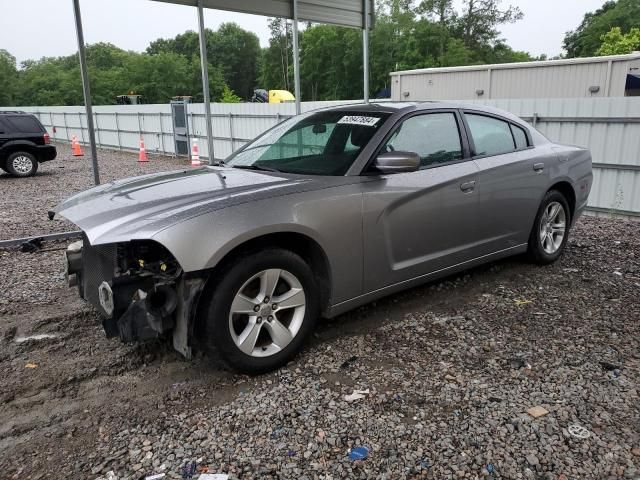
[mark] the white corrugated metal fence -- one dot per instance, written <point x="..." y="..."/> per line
<point x="609" y="127"/>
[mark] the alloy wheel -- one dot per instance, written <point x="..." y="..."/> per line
<point x="22" y="164"/>
<point x="553" y="225"/>
<point x="267" y="312"/>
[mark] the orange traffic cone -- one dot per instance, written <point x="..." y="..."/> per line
<point x="75" y="147"/>
<point x="142" y="156"/>
<point x="195" y="154"/>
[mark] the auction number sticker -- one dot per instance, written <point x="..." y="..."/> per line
<point x="359" y="120"/>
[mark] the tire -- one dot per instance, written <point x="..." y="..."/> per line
<point x="241" y="287"/>
<point x="22" y="164"/>
<point x="549" y="238"/>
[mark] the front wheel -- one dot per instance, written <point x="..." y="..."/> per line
<point x="22" y="164"/>
<point x="260" y="311"/>
<point x="551" y="229"/>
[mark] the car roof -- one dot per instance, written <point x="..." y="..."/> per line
<point x="394" y="107"/>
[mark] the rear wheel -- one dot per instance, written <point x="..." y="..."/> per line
<point x="551" y="229"/>
<point x="261" y="310"/>
<point x="22" y="164"/>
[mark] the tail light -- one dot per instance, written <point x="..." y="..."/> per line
<point x="47" y="140"/>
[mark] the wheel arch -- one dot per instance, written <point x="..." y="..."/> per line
<point x="301" y="244"/>
<point x="566" y="189"/>
<point x="17" y="146"/>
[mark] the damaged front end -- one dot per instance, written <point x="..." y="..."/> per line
<point x="139" y="289"/>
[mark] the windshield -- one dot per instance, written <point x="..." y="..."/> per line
<point x="322" y="143"/>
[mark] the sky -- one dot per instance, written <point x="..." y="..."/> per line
<point x="31" y="29"/>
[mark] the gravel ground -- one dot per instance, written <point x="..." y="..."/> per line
<point x="451" y="369"/>
<point x="26" y="201"/>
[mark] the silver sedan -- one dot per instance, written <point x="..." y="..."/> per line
<point x="324" y="212"/>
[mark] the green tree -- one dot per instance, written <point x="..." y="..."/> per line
<point x="277" y="59"/>
<point x="478" y="24"/>
<point x="236" y="54"/>
<point x="585" y="40"/>
<point x="231" y="50"/>
<point x="615" y="42"/>
<point x="228" y="96"/>
<point x="8" y="78"/>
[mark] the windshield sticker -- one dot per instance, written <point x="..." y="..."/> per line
<point x="359" y="120"/>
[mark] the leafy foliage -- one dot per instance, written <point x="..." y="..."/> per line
<point x="228" y="96"/>
<point x="615" y="42"/>
<point x="407" y="34"/>
<point x="587" y="38"/>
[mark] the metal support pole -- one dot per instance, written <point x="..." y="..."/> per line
<point x="296" y="57"/>
<point x="86" y="90"/>
<point x="205" y="81"/>
<point x="365" y="52"/>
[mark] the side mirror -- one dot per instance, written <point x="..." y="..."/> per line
<point x="397" y="162"/>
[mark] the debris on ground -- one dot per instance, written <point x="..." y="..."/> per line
<point x="358" y="453"/>
<point x="520" y="303"/>
<point x="156" y="476"/>
<point x="213" y="476"/>
<point x="348" y="362"/>
<point x="537" y="411"/>
<point x="578" y="431"/>
<point x="357" y="395"/>
<point x="35" y="338"/>
<point x="31" y="365"/>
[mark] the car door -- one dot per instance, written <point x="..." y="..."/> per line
<point x="511" y="180"/>
<point x="419" y="222"/>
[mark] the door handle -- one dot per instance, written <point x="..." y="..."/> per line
<point x="468" y="186"/>
<point x="538" y="167"/>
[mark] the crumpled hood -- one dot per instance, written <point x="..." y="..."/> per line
<point x="139" y="207"/>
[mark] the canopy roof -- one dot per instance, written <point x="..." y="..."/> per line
<point x="346" y="13"/>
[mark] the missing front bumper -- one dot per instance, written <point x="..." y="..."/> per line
<point x="134" y="306"/>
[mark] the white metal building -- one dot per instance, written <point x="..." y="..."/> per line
<point x="609" y="76"/>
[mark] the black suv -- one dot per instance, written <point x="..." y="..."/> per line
<point x="23" y="143"/>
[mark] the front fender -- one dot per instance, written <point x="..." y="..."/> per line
<point x="331" y="217"/>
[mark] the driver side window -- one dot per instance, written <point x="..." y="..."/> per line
<point x="435" y="137"/>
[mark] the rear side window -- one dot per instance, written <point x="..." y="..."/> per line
<point x="25" y="124"/>
<point x="490" y="135"/>
<point x="433" y="136"/>
<point x="520" y="137"/>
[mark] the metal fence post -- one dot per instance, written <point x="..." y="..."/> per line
<point x="118" y="132"/>
<point x="97" y="130"/>
<point x="535" y="119"/>
<point x="66" y="128"/>
<point x="81" y="127"/>
<point x="231" y="131"/>
<point x="162" y="134"/>
<point x="53" y="127"/>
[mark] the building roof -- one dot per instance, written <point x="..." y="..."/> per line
<point x="502" y="66"/>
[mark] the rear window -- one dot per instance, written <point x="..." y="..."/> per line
<point x="520" y="137"/>
<point x="25" y="123"/>
<point x="490" y="135"/>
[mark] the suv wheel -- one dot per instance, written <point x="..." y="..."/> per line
<point x="550" y="229"/>
<point x="22" y="164"/>
<point x="260" y="311"/>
